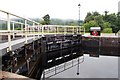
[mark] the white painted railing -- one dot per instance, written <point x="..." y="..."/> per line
<point x="26" y="29"/>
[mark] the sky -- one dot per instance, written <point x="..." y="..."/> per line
<point x="63" y="9"/>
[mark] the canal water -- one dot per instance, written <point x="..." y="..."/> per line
<point x="93" y="67"/>
<point x="103" y="65"/>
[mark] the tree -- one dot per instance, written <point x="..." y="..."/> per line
<point x="118" y="22"/>
<point x="88" y="18"/>
<point x="112" y="18"/>
<point x="93" y="20"/>
<point x="46" y="20"/>
<point x="104" y="21"/>
<point x="107" y="30"/>
<point x="92" y="16"/>
<point x="106" y="25"/>
<point x="87" y="27"/>
<point x="106" y="12"/>
<point x="99" y="20"/>
<point x="88" y="14"/>
<point x="105" y="17"/>
<point x="96" y="13"/>
<point x="90" y="24"/>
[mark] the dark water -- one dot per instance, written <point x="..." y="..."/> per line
<point x="102" y="46"/>
<point x="102" y="67"/>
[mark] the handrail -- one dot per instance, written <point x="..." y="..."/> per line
<point x="13" y="31"/>
<point x="19" y="16"/>
<point x="35" y="29"/>
<point x="13" y="21"/>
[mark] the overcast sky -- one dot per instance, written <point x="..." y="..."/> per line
<point x="64" y="9"/>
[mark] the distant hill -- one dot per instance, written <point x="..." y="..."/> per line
<point x="70" y="22"/>
<point x="54" y="21"/>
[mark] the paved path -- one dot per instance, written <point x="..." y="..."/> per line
<point x="103" y="35"/>
<point x="14" y="42"/>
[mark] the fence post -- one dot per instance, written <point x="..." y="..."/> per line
<point x="38" y="30"/>
<point x="73" y="30"/>
<point x="9" y="32"/>
<point x="65" y="30"/>
<point x="25" y="31"/>
<point x="42" y="30"/>
<point x="13" y="30"/>
<point x="33" y="31"/>
<point x="22" y="29"/>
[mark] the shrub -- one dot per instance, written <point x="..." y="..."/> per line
<point x="107" y="30"/>
<point x="17" y="28"/>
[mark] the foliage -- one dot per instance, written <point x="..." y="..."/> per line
<point x="113" y="20"/>
<point x="96" y="13"/>
<point x="90" y="24"/>
<point x="17" y="28"/>
<point x="87" y="27"/>
<point x="105" y="17"/>
<point x="42" y="22"/>
<point x="88" y="18"/>
<point x="117" y="28"/>
<point x="106" y="25"/>
<point x="99" y="20"/>
<point x="46" y="20"/>
<point x="93" y="19"/>
<point x="107" y="30"/>
<point x="104" y="21"/>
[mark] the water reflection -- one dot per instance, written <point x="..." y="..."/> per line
<point x="106" y="66"/>
<point x="92" y="67"/>
<point x="101" y="46"/>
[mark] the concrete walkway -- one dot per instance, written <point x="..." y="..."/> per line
<point x="104" y="35"/>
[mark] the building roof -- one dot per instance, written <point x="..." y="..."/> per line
<point x="95" y="28"/>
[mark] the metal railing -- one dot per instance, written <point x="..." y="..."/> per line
<point x="48" y="73"/>
<point x="32" y="28"/>
<point x="12" y="32"/>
